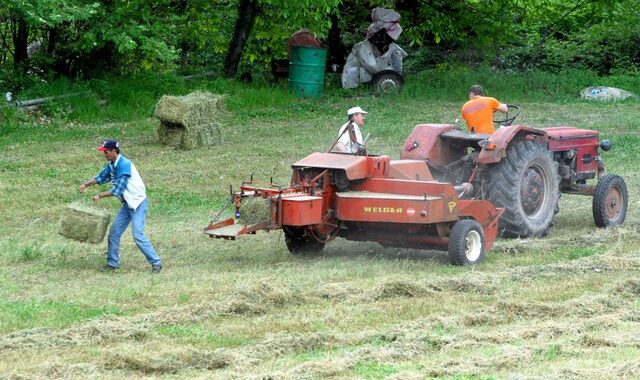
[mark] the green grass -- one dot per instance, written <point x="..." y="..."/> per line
<point x="50" y="314"/>
<point x="559" y="306"/>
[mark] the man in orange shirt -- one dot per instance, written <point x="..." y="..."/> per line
<point x="478" y="111"/>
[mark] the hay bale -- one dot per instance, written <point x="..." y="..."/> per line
<point x="83" y="223"/>
<point x="255" y="210"/>
<point x="189" y="121"/>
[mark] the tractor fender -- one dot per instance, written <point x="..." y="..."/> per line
<point x="354" y="167"/>
<point x="424" y="143"/>
<point x="496" y="147"/>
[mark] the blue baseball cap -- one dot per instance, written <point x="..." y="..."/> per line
<point x="108" y="145"/>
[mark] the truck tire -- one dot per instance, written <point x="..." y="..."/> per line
<point x="299" y="243"/>
<point x="386" y="82"/>
<point x="526" y="184"/>
<point x="466" y="243"/>
<point x="610" y="201"/>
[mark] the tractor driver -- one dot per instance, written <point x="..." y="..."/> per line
<point x="349" y="135"/>
<point x="478" y="111"/>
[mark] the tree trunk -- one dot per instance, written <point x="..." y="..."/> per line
<point x="52" y="39"/>
<point x="247" y="11"/>
<point x="20" y="38"/>
<point x="337" y="50"/>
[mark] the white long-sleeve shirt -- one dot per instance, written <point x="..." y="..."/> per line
<point x="344" y="143"/>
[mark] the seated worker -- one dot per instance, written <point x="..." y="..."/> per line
<point x="349" y="135"/>
<point x="478" y="111"/>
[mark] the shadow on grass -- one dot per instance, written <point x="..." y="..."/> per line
<point x="341" y="248"/>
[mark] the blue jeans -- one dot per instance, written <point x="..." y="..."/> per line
<point x="137" y="218"/>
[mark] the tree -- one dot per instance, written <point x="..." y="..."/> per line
<point x="270" y="23"/>
<point x="76" y="34"/>
<point x="27" y="18"/>
<point x="247" y="11"/>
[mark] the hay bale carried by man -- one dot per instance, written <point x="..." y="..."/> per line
<point x="83" y="223"/>
<point x="189" y="121"/>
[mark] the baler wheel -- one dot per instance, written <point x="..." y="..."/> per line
<point x="466" y="243"/>
<point x="299" y="243"/>
<point x="610" y="201"/>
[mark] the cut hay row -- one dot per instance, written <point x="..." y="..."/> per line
<point x="262" y="297"/>
<point x="400" y="343"/>
<point x="576" y="326"/>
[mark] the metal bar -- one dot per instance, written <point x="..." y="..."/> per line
<point x="32" y="102"/>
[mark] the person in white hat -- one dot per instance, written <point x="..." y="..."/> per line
<point x="349" y="135"/>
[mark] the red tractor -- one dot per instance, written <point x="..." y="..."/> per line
<point x="523" y="170"/>
<point x="448" y="191"/>
<point x="367" y="198"/>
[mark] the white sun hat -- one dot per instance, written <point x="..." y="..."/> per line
<point x="355" y="110"/>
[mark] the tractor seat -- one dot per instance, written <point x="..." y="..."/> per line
<point x="457" y="134"/>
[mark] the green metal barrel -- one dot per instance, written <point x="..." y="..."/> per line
<point x="306" y="70"/>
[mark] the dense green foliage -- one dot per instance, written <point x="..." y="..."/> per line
<point x="44" y="39"/>
<point x="595" y="35"/>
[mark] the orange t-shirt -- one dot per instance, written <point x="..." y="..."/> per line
<point x="478" y="113"/>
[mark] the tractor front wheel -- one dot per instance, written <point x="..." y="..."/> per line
<point x="526" y="184"/>
<point x="466" y="243"/>
<point x="610" y="201"/>
<point x="300" y="243"/>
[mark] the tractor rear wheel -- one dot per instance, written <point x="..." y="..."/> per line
<point x="610" y="201"/>
<point x="526" y="184"/>
<point x="300" y="243"/>
<point x="466" y="243"/>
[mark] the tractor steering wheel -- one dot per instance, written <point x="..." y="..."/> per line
<point x="508" y="119"/>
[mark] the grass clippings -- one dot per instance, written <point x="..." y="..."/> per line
<point x="400" y="288"/>
<point x="60" y="370"/>
<point x="167" y="362"/>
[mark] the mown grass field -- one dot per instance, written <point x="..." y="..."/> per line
<point x="565" y="306"/>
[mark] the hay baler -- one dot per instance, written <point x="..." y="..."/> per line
<point x="396" y="203"/>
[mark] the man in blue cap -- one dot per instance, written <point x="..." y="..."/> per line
<point x="127" y="186"/>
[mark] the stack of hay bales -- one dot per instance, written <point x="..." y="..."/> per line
<point x="83" y="223"/>
<point x="189" y="121"/>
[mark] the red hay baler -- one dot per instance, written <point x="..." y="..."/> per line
<point x="396" y="203"/>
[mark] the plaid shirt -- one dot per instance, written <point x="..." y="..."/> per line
<point x="118" y="178"/>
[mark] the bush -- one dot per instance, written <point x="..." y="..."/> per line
<point x="605" y="44"/>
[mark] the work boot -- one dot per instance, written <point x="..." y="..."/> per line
<point x="156" y="268"/>
<point x="108" y="268"/>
